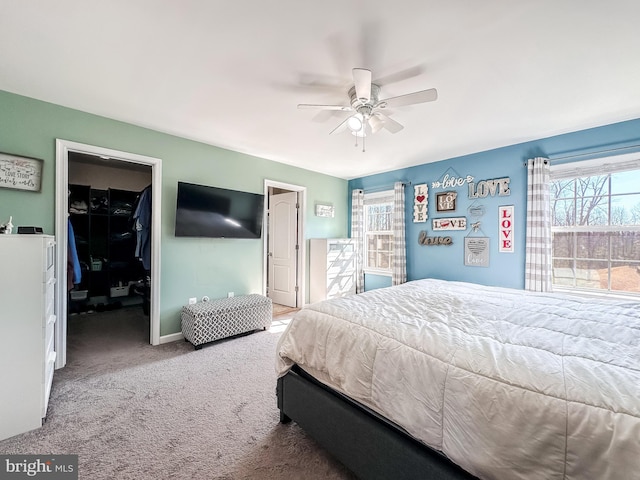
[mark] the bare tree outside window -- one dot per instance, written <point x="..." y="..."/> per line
<point x="596" y="232"/>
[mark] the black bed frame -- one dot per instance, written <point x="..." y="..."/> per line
<point x="365" y="442"/>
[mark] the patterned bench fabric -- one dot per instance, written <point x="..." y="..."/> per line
<point x="205" y="322"/>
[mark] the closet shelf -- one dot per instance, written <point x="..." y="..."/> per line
<point x="105" y="241"/>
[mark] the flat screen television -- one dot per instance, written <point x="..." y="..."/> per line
<point x="203" y="211"/>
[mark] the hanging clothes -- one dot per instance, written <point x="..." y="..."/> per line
<point x="74" y="273"/>
<point x="142" y="227"/>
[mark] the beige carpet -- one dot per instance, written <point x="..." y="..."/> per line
<point x="133" y="411"/>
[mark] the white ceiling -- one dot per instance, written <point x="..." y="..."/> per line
<point x="231" y="73"/>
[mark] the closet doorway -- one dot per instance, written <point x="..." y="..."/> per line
<point x="104" y="195"/>
<point x="98" y="190"/>
<point x="284" y="245"/>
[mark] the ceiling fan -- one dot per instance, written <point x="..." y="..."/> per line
<point x="366" y="106"/>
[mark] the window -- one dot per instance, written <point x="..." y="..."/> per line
<point x="595" y="214"/>
<point x="378" y="241"/>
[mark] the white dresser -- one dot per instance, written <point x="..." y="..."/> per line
<point x="27" y="319"/>
<point x="332" y="263"/>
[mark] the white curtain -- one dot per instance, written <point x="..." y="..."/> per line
<point x="399" y="263"/>
<point x="538" y="275"/>
<point x="357" y="234"/>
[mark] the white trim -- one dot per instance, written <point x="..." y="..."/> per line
<point x="610" y="295"/>
<point x="596" y="228"/>
<point x="381" y="273"/>
<point x="63" y="147"/>
<point x="379" y="197"/>
<point x="173" y="337"/>
<point x="302" y="256"/>
<point x="596" y="166"/>
<point x="578" y="169"/>
<point x="376" y="198"/>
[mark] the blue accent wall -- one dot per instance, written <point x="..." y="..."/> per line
<point x="505" y="269"/>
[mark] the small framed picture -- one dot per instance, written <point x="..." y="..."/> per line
<point x="325" y="210"/>
<point x="20" y="173"/>
<point x="476" y="251"/>
<point x="446" y="201"/>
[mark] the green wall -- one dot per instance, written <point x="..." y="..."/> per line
<point x="191" y="267"/>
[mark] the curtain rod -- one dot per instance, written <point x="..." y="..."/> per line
<point x="382" y="188"/>
<point x="551" y="157"/>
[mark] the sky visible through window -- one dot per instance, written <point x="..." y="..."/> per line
<point x="626" y="182"/>
<point x="596" y="231"/>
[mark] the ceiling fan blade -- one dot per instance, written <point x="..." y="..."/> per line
<point x="322" y="116"/>
<point x="400" y="75"/>
<point x="389" y="123"/>
<point x="340" y="128"/>
<point x="411" y="98"/>
<point x="362" y="82"/>
<point x="343" y="108"/>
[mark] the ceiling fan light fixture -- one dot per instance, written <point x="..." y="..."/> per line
<point x="355" y="123"/>
<point x="365" y="105"/>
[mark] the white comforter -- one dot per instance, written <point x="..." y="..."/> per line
<point x="506" y="383"/>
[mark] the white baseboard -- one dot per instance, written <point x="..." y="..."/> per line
<point x="174" y="337"/>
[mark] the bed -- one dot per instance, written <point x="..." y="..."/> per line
<point x="441" y="379"/>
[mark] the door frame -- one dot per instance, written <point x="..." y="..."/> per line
<point x="63" y="147"/>
<point x="301" y="264"/>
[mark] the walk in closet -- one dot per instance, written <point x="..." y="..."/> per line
<point x="103" y="197"/>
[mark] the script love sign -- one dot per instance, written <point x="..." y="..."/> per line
<point x="420" y="193"/>
<point x="20" y="173"/>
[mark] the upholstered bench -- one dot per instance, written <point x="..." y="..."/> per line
<point x="205" y="322"/>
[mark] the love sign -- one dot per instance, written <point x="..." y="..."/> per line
<point x="451" y="181"/>
<point x="424" y="239"/>
<point x="456" y="223"/>
<point x="420" y="193"/>
<point x="484" y="188"/>
<point x="505" y="219"/>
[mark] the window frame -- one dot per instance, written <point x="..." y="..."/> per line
<point x="601" y="166"/>
<point x="377" y="198"/>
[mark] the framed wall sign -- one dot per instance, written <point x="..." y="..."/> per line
<point x="476" y="251"/>
<point x="325" y="210"/>
<point x="452" y="223"/>
<point x="420" y="202"/>
<point x="20" y="173"/>
<point x="505" y="214"/>
<point x="446" y="201"/>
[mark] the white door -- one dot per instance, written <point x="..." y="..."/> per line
<point x="282" y="262"/>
